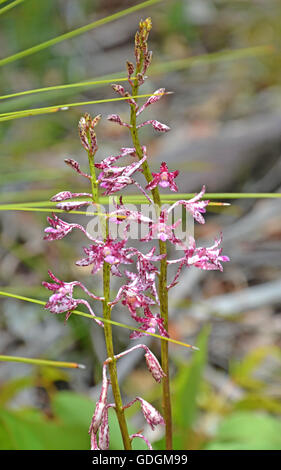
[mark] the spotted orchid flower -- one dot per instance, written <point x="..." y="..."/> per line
<point x="113" y="179"/>
<point x="208" y="258"/>
<point x="149" y="323"/>
<point x="122" y="213"/>
<point x="59" y="229"/>
<point x="62" y="301"/>
<point x="146" y="272"/>
<point x="164" y="178"/>
<point x="133" y="297"/>
<point x="195" y="206"/>
<point x="106" y="164"/>
<point x="109" y="251"/>
<point x="161" y="230"/>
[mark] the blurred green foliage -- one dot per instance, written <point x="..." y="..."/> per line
<point x="242" y="424"/>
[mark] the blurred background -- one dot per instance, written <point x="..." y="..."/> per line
<point x="222" y="61"/>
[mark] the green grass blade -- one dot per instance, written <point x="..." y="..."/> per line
<point x="167" y="66"/>
<point x="64" y="87"/>
<point x="87" y="315"/>
<point x="76" y="32"/>
<point x="164" y="197"/>
<point x="41" y="362"/>
<point x="63" y="107"/>
<point x="10" y="6"/>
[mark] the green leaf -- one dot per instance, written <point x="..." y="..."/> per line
<point x="73" y="408"/>
<point x="188" y="387"/>
<point x="244" y="430"/>
<point x="34" y="432"/>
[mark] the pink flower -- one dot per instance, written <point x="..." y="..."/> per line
<point x="113" y="179"/>
<point x="62" y="299"/>
<point x="161" y="230"/>
<point x="208" y="258"/>
<point x="149" y="323"/>
<point x="194" y="206"/>
<point x="110" y="252"/>
<point x="145" y="277"/>
<point x="122" y="213"/>
<point x="109" y="170"/>
<point x="133" y="297"/>
<point x="165" y="178"/>
<point x="59" y="229"/>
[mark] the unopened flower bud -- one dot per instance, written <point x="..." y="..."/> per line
<point x="147" y="61"/>
<point x="93" y="141"/>
<point x="76" y="167"/>
<point x="96" y="421"/>
<point x="154" y="366"/>
<point x="119" y="89"/>
<point x="104" y="431"/>
<point x="96" y="120"/>
<point x="101" y="404"/>
<point x="130" y="68"/>
<point x="94" y="444"/>
<point x="152" y="416"/>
